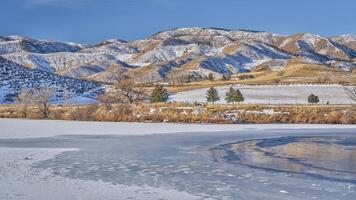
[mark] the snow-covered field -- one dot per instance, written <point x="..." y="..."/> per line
<point x="274" y="94"/>
<point x="42" y="160"/>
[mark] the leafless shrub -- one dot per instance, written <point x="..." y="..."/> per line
<point x="334" y="117"/>
<point x="82" y="113"/>
<point x="41" y="97"/>
<point x="107" y="99"/>
<point x="128" y="92"/>
<point x="118" y="112"/>
<point x="24" y="100"/>
<point x="323" y="79"/>
<point x="245" y="76"/>
<point x="178" y="79"/>
<point x="182" y="112"/>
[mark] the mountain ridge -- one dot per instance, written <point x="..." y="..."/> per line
<point x="185" y="52"/>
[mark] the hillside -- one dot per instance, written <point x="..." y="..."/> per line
<point x="184" y="52"/>
<point x="14" y="78"/>
<point x="175" y="56"/>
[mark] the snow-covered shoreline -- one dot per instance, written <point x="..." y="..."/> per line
<point x="22" y="128"/>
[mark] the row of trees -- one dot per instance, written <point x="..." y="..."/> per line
<point x="160" y="94"/>
<point x="179" y="79"/>
<point x="235" y="95"/>
<point x="232" y="96"/>
<point x="125" y="92"/>
<point x="225" y="77"/>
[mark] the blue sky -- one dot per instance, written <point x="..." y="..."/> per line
<point x="90" y="21"/>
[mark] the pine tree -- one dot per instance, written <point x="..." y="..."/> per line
<point x="211" y="77"/>
<point x="313" y="99"/>
<point x="212" y="95"/>
<point x="234" y="95"/>
<point x="226" y="77"/>
<point x="159" y="94"/>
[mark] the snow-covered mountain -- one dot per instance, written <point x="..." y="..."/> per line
<point x="347" y="40"/>
<point x="14" y="78"/>
<point x="75" y="65"/>
<point x="15" y="44"/>
<point x="184" y="51"/>
<point x="316" y="47"/>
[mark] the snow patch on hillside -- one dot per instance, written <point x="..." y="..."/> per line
<point x="14" y="78"/>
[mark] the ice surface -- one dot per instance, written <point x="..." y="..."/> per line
<point x="161" y="166"/>
<point x="17" y="128"/>
<point x="21" y="181"/>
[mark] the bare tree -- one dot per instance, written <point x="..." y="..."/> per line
<point x="24" y="100"/>
<point x="128" y="92"/>
<point x="178" y="79"/>
<point x="41" y="97"/>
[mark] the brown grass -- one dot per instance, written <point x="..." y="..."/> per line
<point x="294" y="72"/>
<point x="189" y="113"/>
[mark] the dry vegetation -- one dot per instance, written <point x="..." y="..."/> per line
<point x="294" y="73"/>
<point x="302" y="73"/>
<point x="125" y="102"/>
<point x="188" y="113"/>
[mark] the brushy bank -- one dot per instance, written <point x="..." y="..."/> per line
<point x="190" y="113"/>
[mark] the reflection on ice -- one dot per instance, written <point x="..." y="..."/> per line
<point x="324" y="157"/>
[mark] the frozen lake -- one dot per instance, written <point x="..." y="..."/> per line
<point x="272" y="163"/>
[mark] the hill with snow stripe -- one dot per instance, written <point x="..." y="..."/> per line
<point x="14" y="78"/>
<point x="187" y="51"/>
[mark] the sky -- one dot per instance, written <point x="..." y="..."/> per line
<point x="91" y="21"/>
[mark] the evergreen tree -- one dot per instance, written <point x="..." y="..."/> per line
<point x="159" y="94"/>
<point x="234" y="95"/>
<point x="212" y="95"/>
<point x="189" y="79"/>
<point x="313" y="99"/>
<point x="226" y="77"/>
<point x="211" y="77"/>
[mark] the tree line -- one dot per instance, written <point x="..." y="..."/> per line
<point x="235" y="95"/>
<point x="123" y="92"/>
